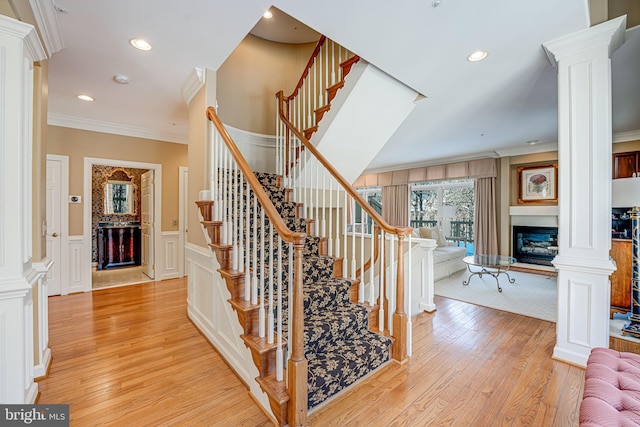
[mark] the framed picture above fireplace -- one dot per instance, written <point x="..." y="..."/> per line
<point x="538" y="184"/>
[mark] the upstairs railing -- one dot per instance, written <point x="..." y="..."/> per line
<point x="318" y="84"/>
<point x="269" y="255"/>
<point x="331" y="202"/>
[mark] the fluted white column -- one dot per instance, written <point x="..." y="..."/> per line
<point x="584" y="168"/>
<point x="19" y="48"/>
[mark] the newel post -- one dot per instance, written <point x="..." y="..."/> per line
<point x="297" y="366"/>
<point x="399" y="352"/>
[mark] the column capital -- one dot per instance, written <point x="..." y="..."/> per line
<point x="610" y="34"/>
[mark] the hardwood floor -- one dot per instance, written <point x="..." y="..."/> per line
<point x="129" y="356"/>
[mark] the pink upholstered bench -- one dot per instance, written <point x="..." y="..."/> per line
<point x="611" y="389"/>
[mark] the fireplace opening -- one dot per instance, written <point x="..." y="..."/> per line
<point x="535" y="245"/>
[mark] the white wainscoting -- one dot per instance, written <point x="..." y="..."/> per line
<point x="79" y="257"/>
<point x="212" y="314"/>
<point x="168" y="261"/>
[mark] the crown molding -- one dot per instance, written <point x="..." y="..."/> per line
<point x="633" y="135"/>
<point x="114" y="128"/>
<point x="194" y="83"/>
<point x="528" y="149"/>
<point x="48" y="25"/>
<point x="27" y="33"/>
<point x="610" y="34"/>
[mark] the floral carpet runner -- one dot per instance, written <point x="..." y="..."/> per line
<point x="338" y="346"/>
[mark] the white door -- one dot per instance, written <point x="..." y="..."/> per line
<point x="185" y="217"/>
<point x="147" y="224"/>
<point x="53" y="215"/>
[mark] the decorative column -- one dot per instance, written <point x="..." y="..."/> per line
<point x="633" y="327"/>
<point x="584" y="193"/>
<point x="19" y="48"/>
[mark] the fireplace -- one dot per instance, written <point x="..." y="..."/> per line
<point x="535" y="245"/>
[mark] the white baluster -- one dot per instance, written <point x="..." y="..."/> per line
<point x="270" y="319"/>
<point x="219" y="172"/>
<point x="391" y="284"/>
<point x="262" y="315"/>
<point x="408" y="301"/>
<point x="234" y="218"/>
<point x="345" y="226"/>
<point x="381" y="277"/>
<point x="309" y="185"/>
<point x="291" y="287"/>
<point x="319" y="84"/>
<point x="372" y="296"/>
<point x="277" y="137"/>
<point x="353" y="240"/>
<point x="309" y="102"/>
<point x="315" y="99"/>
<point x="247" y="254"/>
<point x="317" y="217"/>
<point x="362" y="283"/>
<point x="279" y="355"/>
<point x="240" y="215"/>
<point x="324" y="203"/>
<point x="225" y="201"/>
<point x="211" y="131"/>
<point x="254" y="248"/>
<point x="330" y="238"/>
<point x="333" y="63"/>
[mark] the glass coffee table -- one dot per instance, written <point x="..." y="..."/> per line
<point x="493" y="265"/>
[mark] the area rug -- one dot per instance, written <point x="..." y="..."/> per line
<point x="533" y="295"/>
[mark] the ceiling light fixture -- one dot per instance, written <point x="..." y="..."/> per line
<point x="533" y="141"/>
<point x="141" y="44"/>
<point x="478" y="55"/>
<point x="122" y="79"/>
<point x="85" y="97"/>
<point x="267" y="15"/>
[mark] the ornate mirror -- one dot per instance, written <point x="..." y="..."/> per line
<point x="118" y="193"/>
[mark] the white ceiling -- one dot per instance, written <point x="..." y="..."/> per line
<point x="471" y="110"/>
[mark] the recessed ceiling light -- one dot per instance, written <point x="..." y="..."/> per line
<point x="533" y="141"/>
<point x="140" y="44"/>
<point x="267" y="15"/>
<point x="85" y="97"/>
<point x="478" y="55"/>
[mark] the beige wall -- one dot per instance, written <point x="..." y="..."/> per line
<point x="78" y="144"/>
<point x="6" y="9"/>
<point x="623" y="147"/>
<point x="249" y="79"/>
<point x="39" y="171"/>
<point x="197" y="150"/>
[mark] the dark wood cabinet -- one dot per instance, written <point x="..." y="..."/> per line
<point x="626" y="164"/>
<point x="621" y="278"/>
<point x="118" y="247"/>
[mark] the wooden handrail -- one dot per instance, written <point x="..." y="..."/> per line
<point x="343" y="182"/>
<point x="307" y="67"/>
<point x="270" y="210"/>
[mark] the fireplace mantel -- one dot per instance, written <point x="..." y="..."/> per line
<point x="524" y="210"/>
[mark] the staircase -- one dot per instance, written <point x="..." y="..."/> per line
<point x="338" y="345"/>
<point x="318" y="299"/>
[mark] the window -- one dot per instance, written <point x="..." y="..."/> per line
<point x="446" y="204"/>
<point x="373" y="196"/>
